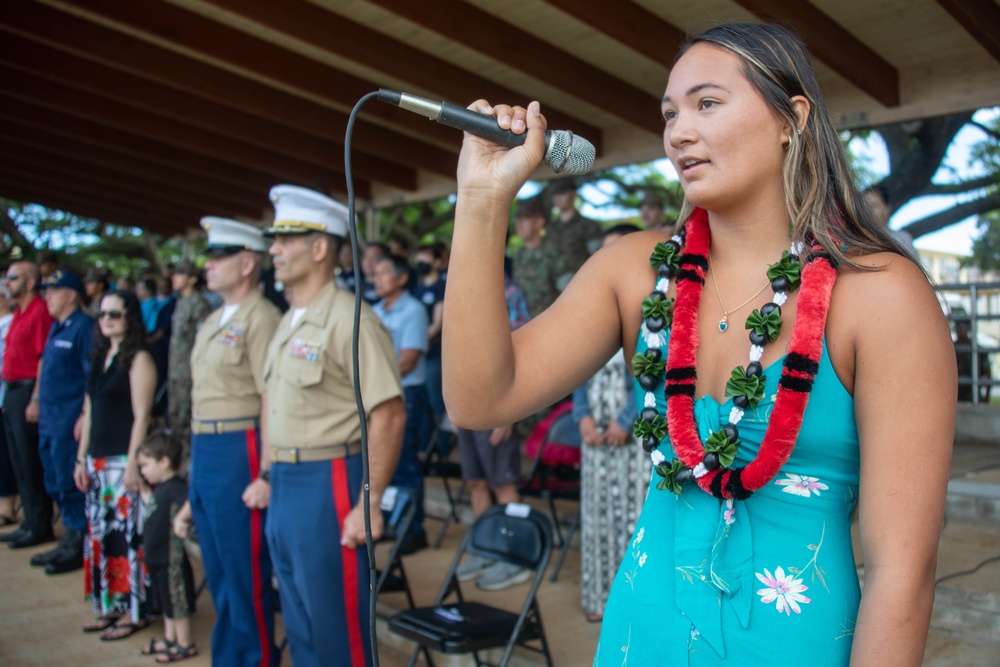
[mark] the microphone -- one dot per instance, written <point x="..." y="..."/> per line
<point x="565" y="152"/>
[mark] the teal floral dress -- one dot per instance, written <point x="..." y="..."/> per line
<point x="755" y="582"/>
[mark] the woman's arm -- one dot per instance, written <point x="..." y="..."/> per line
<point x="493" y="377"/>
<point x="80" y="477"/>
<point x="142" y="380"/>
<point x="904" y="385"/>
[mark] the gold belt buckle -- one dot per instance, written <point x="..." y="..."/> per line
<point x="295" y="455"/>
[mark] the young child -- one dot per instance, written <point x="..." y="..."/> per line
<point x="171" y="579"/>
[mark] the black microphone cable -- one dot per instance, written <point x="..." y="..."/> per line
<point x="358" y="283"/>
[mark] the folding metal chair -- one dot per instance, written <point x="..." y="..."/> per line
<point x="398" y="508"/>
<point x="554" y="448"/>
<point x="437" y="463"/>
<point x="513" y="533"/>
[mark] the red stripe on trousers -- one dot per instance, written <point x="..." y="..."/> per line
<point x="255" y="542"/>
<point x="349" y="557"/>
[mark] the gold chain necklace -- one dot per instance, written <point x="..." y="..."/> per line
<point x="724" y="322"/>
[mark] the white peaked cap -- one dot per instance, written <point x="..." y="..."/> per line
<point x="301" y="211"/>
<point x="229" y="236"/>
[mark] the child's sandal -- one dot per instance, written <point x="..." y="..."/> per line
<point x="176" y="653"/>
<point x="157" y="647"/>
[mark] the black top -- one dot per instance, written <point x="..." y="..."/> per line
<point x="157" y="531"/>
<point x="111" y="415"/>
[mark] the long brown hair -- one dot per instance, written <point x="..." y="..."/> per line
<point x="823" y="204"/>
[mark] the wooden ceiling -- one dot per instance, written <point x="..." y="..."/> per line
<point x="154" y="113"/>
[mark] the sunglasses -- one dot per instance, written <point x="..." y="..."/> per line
<point x="110" y="314"/>
<point x="11" y="278"/>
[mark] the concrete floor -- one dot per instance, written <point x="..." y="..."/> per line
<point x="41" y="616"/>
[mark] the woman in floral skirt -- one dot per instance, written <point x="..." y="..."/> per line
<point x="116" y="418"/>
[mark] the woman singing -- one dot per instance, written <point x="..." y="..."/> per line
<point x="791" y="364"/>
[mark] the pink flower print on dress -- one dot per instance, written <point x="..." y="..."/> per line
<point x="730" y="514"/>
<point x="800" y="485"/>
<point x="786" y="590"/>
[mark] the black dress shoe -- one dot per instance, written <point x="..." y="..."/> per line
<point x="68" y="555"/>
<point x="31" y="540"/>
<point x="13" y="535"/>
<point x="46" y="557"/>
<point x="66" y="563"/>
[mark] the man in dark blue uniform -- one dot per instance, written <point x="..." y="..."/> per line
<point x="62" y="382"/>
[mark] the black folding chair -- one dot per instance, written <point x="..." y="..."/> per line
<point x="554" y="447"/>
<point x="398" y="508"/>
<point x="438" y="463"/>
<point x="512" y="533"/>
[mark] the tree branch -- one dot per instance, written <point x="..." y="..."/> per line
<point x="990" y="132"/>
<point x="9" y="227"/>
<point x="959" y="188"/>
<point x="950" y="216"/>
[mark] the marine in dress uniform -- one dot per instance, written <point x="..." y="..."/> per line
<point x="315" y="523"/>
<point x="61" y="386"/>
<point x="229" y="490"/>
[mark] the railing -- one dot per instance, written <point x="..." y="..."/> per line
<point x="976" y="306"/>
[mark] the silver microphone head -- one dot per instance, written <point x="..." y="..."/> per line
<point x="569" y="154"/>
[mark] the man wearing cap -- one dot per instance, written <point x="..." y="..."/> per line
<point x="95" y="283"/>
<point x="573" y="235"/>
<point x="22" y="358"/>
<point x="651" y="213"/>
<point x="539" y="269"/>
<point x="315" y="523"/>
<point x="61" y="385"/>
<point x="229" y="486"/>
<point x="190" y="311"/>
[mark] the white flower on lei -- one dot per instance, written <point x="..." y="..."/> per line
<point x="730" y="514"/>
<point x="657" y="456"/>
<point x="658" y="339"/>
<point x="801" y="485"/>
<point x="650" y="400"/>
<point x="785" y="591"/>
<point x="662" y="285"/>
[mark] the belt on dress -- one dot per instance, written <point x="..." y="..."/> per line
<point x="220" y="426"/>
<point x="310" y="454"/>
<point x="14" y="384"/>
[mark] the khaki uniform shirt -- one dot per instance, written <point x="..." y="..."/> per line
<point x="309" y="375"/>
<point x="227" y="361"/>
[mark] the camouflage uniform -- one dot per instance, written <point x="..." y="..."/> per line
<point x="576" y="239"/>
<point x="188" y="316"/>
<point x="537" y="272"/>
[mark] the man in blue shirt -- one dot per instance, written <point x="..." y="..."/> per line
<point x="62" y="383"/>
<point x="406" y="320"/>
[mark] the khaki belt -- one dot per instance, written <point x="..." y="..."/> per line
<point x="310" y="454"/>
<point x="204" y="426"/>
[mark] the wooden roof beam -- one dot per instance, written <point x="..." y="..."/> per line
<point x="99" y="190"/>
<point x="74" y="129"/>
<point x="191" y="31"/>
<point x="152" y="126"/>
<point x="14" y="187"/>
<point x="132" y="90"/>
<point x="834" y="45"/>
<point x="84" y="170"/>
<point x="979" y="18"/>
<point x="630" y="24"/>
<point x="68" y="32"/>
<point x="61" y="147"/>
<point x="483" y="32"/>
<point x="313" y="25"/>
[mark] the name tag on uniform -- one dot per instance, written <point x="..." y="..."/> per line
<point x="305" y="349"/>
<point x="64" y="344"/>
<point x="232" y="335"/>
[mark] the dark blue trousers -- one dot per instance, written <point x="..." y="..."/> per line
<point x="410" y="469"/>
<point x="233" y="548"/>
<point x="323" y="586"/>
<point x="58" y="455"/>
